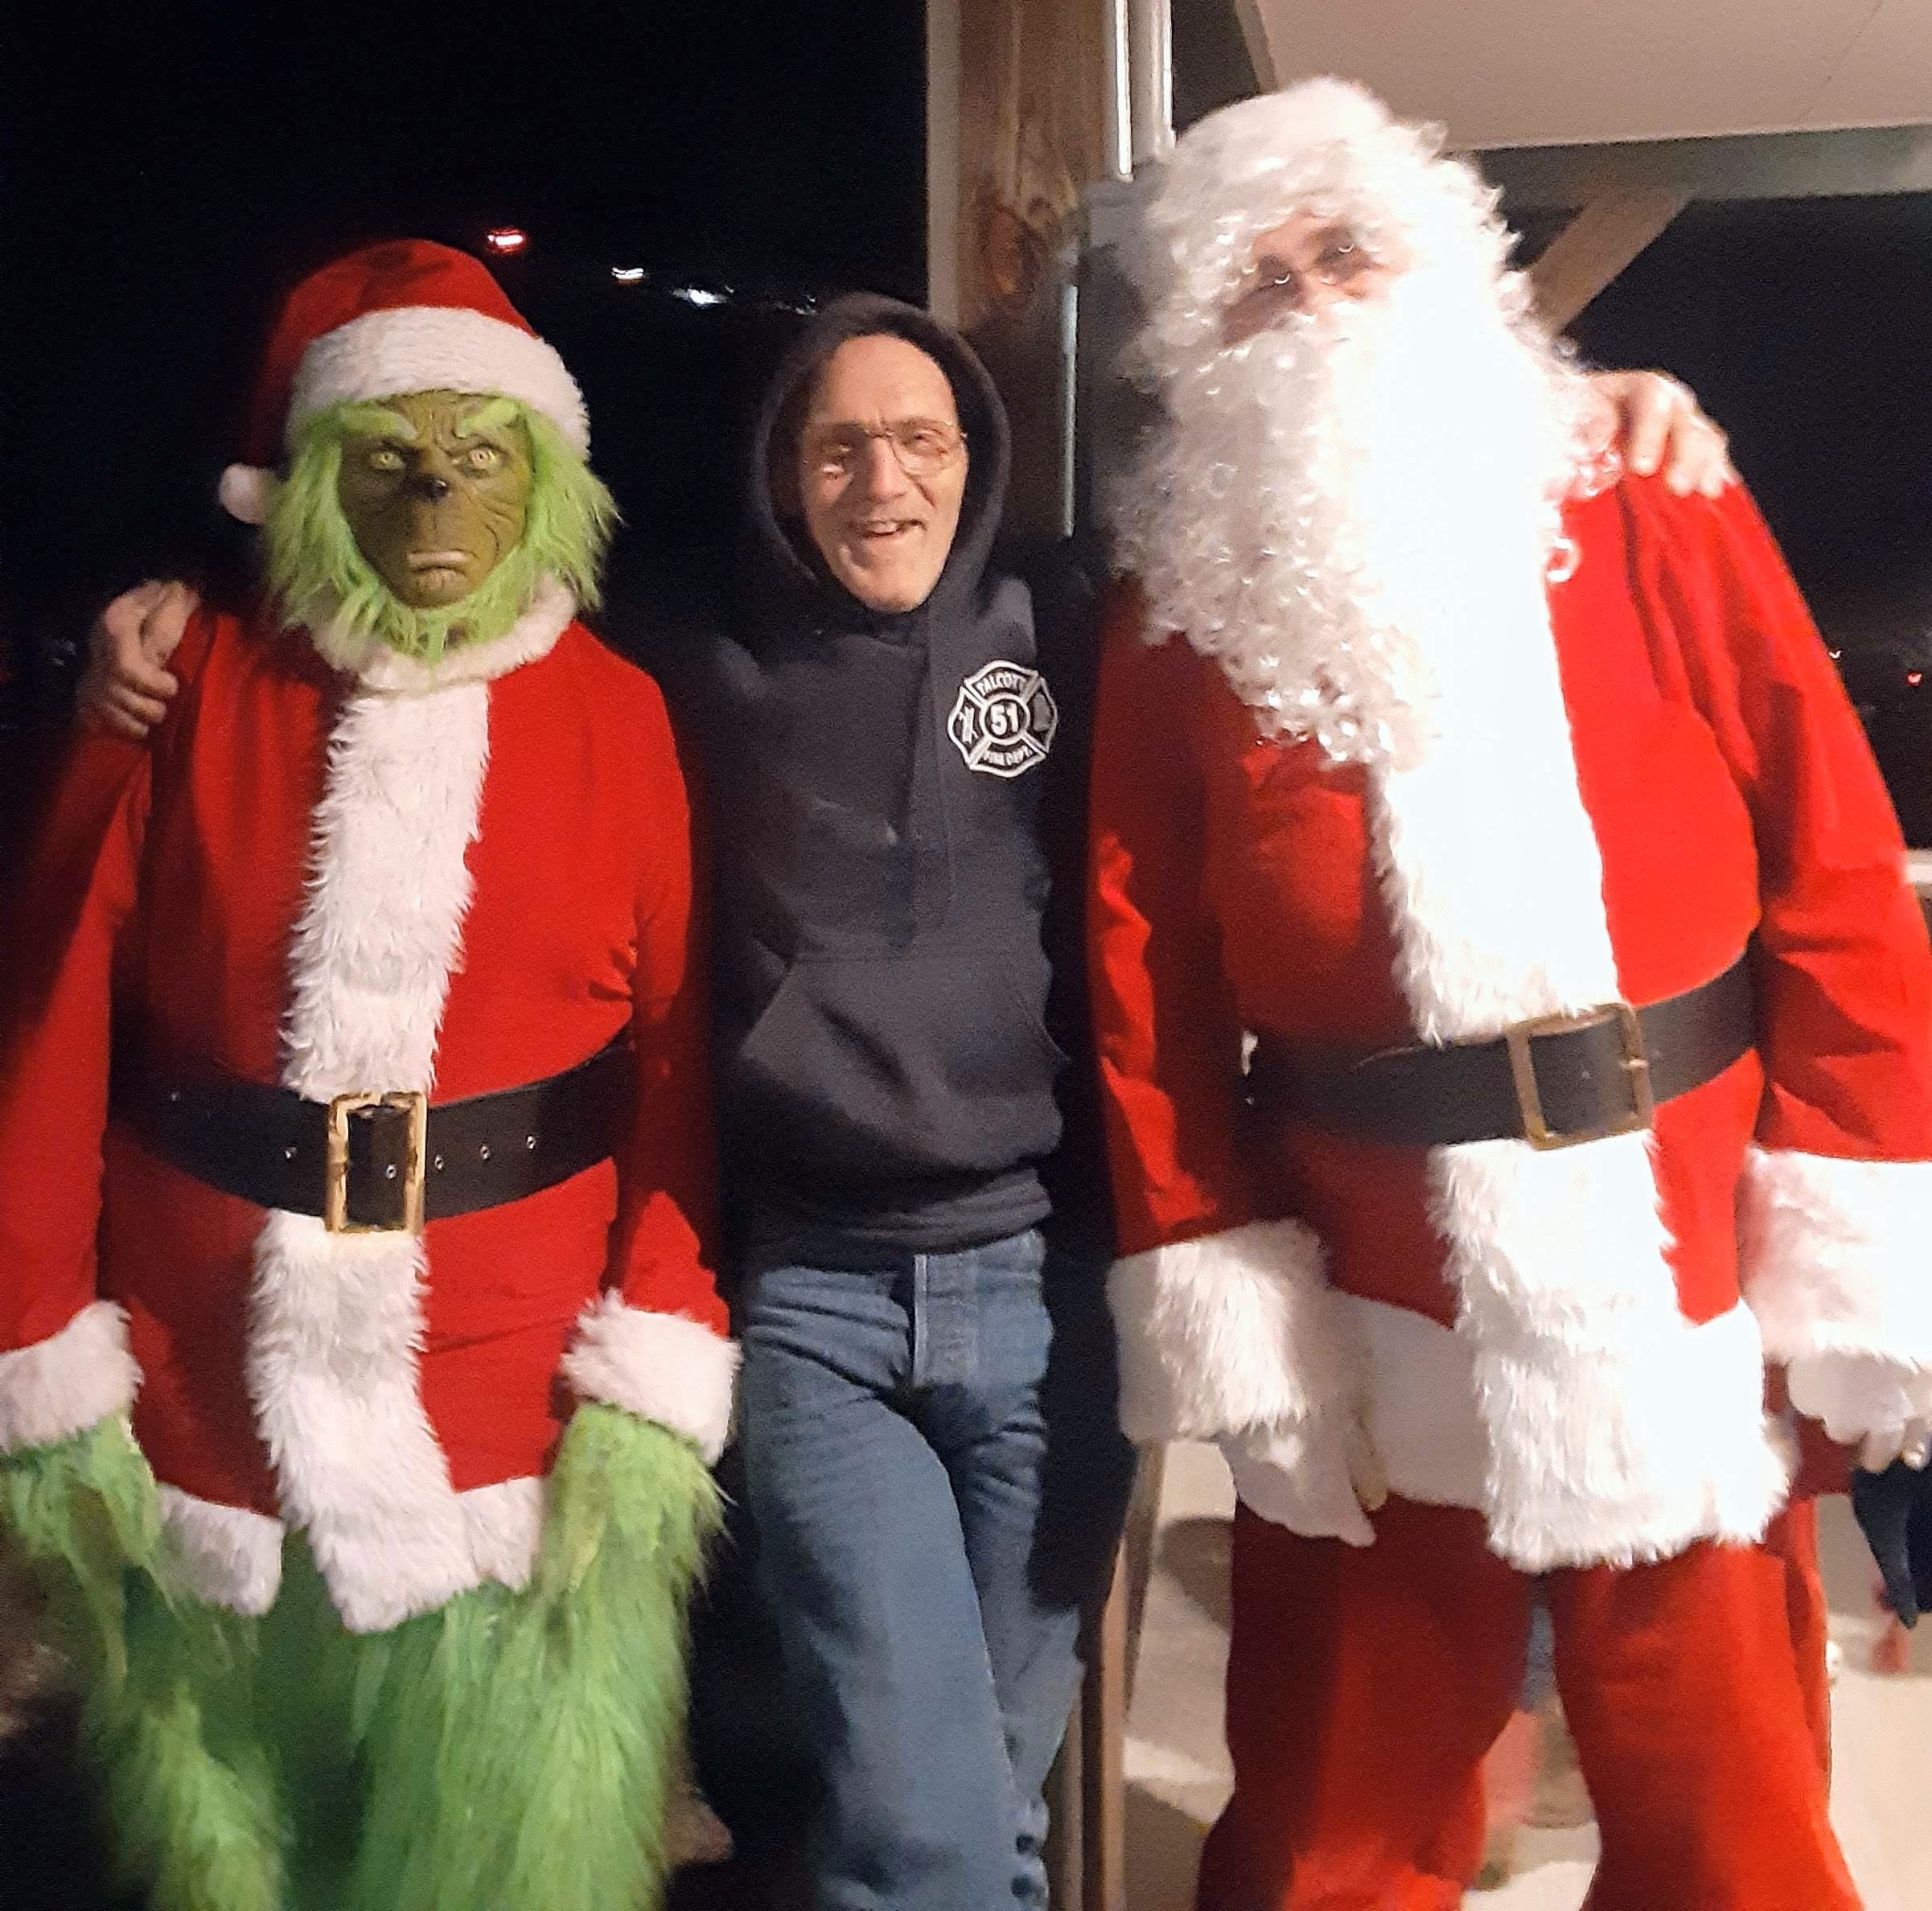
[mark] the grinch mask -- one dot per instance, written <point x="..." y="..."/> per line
<point x="430" y="518"/>
<point x="434" y="486"/>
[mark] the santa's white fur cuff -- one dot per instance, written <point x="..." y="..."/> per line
<point x="1228" y="1332"/>
<point x="1836" y="1269"/>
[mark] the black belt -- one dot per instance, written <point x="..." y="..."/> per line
<point x="383" y="1162"/>
<point x="1552" y="1081"/>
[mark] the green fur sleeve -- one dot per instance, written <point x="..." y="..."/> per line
<point x="82" y="1512"/>
<point x="629" y="1494"/>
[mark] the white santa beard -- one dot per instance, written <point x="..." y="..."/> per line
<point x="1336" y="509"/>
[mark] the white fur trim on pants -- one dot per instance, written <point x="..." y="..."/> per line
<point x="662" y="1367"/>
<point x="1838" y="1268"/>
<point x="1227" y="1333"/>
<point x="65" y="1383"/>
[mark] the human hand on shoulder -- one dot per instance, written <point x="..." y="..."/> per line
<point x="127" y="687"/>
<point x="1653" y="422"/>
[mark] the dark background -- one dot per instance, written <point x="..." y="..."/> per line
<point x="168" y="172"/>
<point x="165" y="173"/>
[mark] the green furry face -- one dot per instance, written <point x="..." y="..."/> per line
<point x="429" y="520"/>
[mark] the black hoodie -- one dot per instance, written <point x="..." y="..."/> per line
<point x="881" y="866"/>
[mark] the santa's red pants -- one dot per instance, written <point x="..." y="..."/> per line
<point x="1364" y="1686"/>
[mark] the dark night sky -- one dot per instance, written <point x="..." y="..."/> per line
<point x="164" y="182"/>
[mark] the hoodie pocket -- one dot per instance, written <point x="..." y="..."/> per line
<point x="919" y="1063"/>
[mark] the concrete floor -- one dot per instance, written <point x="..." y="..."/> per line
<point x="1177" y="1767"/>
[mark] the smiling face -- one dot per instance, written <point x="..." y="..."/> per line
<point x="1307" y="264"/>
<point x="881" y="469"/>
<point x="435" y="487"/>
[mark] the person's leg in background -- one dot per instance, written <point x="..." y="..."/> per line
<point x="1364" y="1686"/>
<point x="1697" y="1727"/>
<point x="866" y="1570"/>
<point x="1022" y="1403"/>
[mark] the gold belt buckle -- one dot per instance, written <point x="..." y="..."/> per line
<point x="1636" y="1066"/>
<point x="335" y="1185"/>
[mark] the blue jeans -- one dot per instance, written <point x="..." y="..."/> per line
<point x="936" y="1475"/>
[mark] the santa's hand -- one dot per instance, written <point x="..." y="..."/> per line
<point x="1910" y="1443"/>
<point x="1313" y="1478"/>
<point x="126" y="686"/>
<point x="1654" y="421"/>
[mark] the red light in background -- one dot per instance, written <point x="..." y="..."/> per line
<point x="1915" y="678"/>
<point x="506" y="239"/>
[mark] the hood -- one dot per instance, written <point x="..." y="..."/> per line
<point x="784" y="551"/>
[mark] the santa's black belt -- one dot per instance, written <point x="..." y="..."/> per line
<point x="379" y="1162"/>
<point x="1553" y="1082"/>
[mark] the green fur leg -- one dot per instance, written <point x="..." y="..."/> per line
<point x="193" y="1807"/>
<point x="520" y="1747"/>
<point x="168" y="1718"/>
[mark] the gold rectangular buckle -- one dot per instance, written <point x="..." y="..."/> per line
<point x="1636" y="1066"/>
<point x="335" y="1186"/>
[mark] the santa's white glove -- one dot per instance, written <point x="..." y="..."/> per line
<point x="1867" y="1401"/>
<point x="1911" y="1443"/>
<point x="1315" y="1477"/>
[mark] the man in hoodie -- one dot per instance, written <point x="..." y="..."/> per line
<point x="894" y="762"/>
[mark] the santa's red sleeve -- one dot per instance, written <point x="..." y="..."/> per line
<point x="657" y="1342"/>
<point x="1225" y="1320"/>
<point x="1837" y="1210"/>
<point x="64" y="1361"/>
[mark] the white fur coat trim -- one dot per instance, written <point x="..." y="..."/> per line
<point x="226" y="1557"/>
<point x="336" y="1320"/>
<point x="436" y="348"/>
<point x="534" y="634"/>
<point x="65" y="1383"/>
<point x="231" y="1556"/>
<point x="662" y="1367"/>
<point x="1229" y="1332"/>
<point x="1493" y="878"/>
<point x="1838" y="1269"/>
<point x="1420" y="1416"/>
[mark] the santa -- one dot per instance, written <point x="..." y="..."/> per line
<point x="360" y="1360"/>
<point x="1516" y="1028"/>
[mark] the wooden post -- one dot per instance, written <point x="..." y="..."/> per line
<point x="1596" y="245"/>
<point x="1024" y="83"/>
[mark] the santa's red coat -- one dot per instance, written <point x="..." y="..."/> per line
<point x="458" y="883"/>
<point x="1522" y="1333"/>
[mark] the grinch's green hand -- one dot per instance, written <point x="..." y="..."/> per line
<point x="83" y="1512"/>
<point x="625" y="1483"/>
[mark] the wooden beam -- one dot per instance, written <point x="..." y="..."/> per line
<point x="1260" y="55"/>
<point x="1596" y="245"/>
<point x="1855" y="160"/>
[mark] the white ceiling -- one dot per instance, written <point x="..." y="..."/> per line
<point x="1548" y="72"/>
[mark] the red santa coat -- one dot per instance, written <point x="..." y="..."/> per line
<point x="344" y="880"/>
<point x="1574" y="1342"/>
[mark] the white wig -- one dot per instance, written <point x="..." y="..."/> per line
<point x="1326" y="146"/>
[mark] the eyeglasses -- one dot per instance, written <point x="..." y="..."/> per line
<point x="923" y="446"/>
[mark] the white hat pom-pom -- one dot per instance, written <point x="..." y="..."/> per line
<point x="244" y="491"/>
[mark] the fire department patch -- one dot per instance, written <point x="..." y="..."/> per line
<point x="1003" y="719"/>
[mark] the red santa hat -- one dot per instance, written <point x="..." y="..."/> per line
<point x="405" y="316"/>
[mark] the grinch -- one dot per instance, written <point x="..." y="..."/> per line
<point x="360" y="1361"/>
